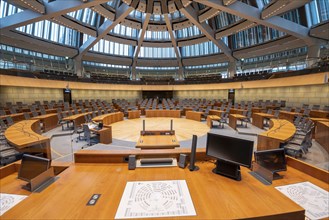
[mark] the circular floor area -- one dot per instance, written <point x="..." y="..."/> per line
<point x="129" y="130"/>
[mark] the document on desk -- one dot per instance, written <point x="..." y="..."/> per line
<point x="150" y="199"/>
<point x="8" y="201"/>
<point x="312" y="198"/>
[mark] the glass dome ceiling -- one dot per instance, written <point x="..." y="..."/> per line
<point x="167" y="34"/>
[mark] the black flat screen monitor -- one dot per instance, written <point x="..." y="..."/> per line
<point x="273" y="160"/>
<point x="230" y="153"/>
<point x="32" y="166"/>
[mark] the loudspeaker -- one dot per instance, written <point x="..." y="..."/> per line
<point x="182" y="160"/>
<point x="171" y="125"/>
<point x="192" y="166"/>
<point x="144" y="125"/>
<point x="132" y="162"/>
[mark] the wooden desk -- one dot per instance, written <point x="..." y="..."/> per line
<point x="236" y="111"/>
<point x="258" y="119"/>
<point x="157" y="142"/>
<point x="196" y="116"/>
<point x="212" y="118"/>
<point x="49" y="121"/>
<point x="215" y="112"/>
<point x="163" y="113"/>
<point x="134" y="114"/>
<point x="290" y="116"/>
<point x="233" y="118"/>
<point x="110" y="118"/>
<point x="281" y="131"/>
<point x="322" y="134"/>
<point x="25" y="136"/>
<point x="186" y="109"/>
<point x="77" y="119"/>
<point x="16" y="117"/>
<point x="213" y="196"/>
<point x="257" y="109"/>
<point x="319" y="114"/>
<point x="105" y="134"/>
<point x="316" y="120"/>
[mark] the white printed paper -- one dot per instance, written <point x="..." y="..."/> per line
<point x="150" y="199"/>
<point x="7" y="201"/>
<point x="312" y="198"/>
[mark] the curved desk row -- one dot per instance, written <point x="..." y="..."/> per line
<point x="110" y="118"/>
<point x="280" y="132"/>
<point x="25" y="136"/>
<point x="163" y="113"/>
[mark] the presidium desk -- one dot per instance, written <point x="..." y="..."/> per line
<point x="213" y="196"/>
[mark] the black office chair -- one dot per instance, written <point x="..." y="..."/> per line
<point x="9" y="121"/>
<point x="27" y="116"/>
<point x="89" y="136"/>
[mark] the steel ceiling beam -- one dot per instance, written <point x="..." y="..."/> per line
<point x="175" y="45"/>
<point x="53" y="9"/>
<point x="254" y="14"/>
<point x="282" y="6"/>
<point x="32" y="5"/>
<point x="121" y="13"/>
<point x="141" y="37"/>
<point x="192" y="15"/>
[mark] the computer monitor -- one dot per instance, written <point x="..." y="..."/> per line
<point x="273" y="160"/>
<point x="230" y="153"/>
<point x="32" y="166"/>
<point x="100" y="125"/>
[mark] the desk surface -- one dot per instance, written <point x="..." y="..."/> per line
<point x="23" y="134"/>
<point x="214" y="196"/>
<point x="281" y="130"/>
<point x="74" y="117"/>
<point x="157" y="142"/>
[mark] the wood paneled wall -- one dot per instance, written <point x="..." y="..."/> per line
<point x="295" y="90"/>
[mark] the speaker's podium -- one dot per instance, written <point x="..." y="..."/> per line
<point x="157" y="140"/>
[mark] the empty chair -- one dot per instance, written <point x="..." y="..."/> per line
<point x="88" y="135"/>
<point x="9" y="120"/>
<point x="99" y="112"/>
<point x="27" y="116"/>
<point x="297" y="120"/>
<point x="247" y="119"/>
<point x="35" y="114"/>
<point x="316" y="107"/>
<point x="2" y="112"/>
<point x="297" y="109"/>
<point x="307" y="112"/>
<point x="3" y="125"/>
<point x="276" y="113"/>
<point x="12" y="110"/>
<point x="43" y="111"/>
<point x="326" y="108"/>
<point x="223" y="119"/>
<point x="76" y="111"/>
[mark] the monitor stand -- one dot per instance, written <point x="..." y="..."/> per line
<point x="227" y="169"/>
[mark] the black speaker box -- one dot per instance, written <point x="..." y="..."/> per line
<point x="132" y="162"/>
<point x="182" y="160"/>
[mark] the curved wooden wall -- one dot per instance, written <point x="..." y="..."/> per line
<point x="296" y="90"/>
